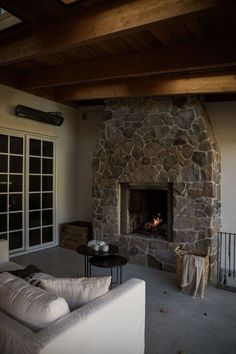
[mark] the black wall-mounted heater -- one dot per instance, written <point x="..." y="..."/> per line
<point x="40" y="116"/>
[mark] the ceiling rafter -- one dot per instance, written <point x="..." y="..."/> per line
<point x="105" y="21"/>
<point x="194" y="55"/>
<point x="9" y="78"/>
<point x="224" y="82"/>
<point x="120" y="48"/>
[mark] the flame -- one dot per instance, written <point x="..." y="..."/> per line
<point x="154" y="223"/>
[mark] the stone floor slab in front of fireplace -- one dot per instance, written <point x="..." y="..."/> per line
<point x="144" y="250"/>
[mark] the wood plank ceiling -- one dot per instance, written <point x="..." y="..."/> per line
<point x="94" y="49"/>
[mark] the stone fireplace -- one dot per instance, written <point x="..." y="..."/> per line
<point x="151" y="150"/>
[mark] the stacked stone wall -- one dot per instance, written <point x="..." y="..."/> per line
<point x="154" y="141"/>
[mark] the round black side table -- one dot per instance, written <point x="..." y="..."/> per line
<point x="111" y="262"/>
<point x="89" y="252"/>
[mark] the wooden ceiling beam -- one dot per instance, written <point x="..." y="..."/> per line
<point x="104" y="21"/>
<point x="151" y="86"/>
<point x="46" y="92"/>
<point x="8" y="78"/>
<point x="176" y="58"/>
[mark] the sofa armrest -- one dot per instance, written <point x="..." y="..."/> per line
<point x="4" y="251"/>
<point x="14" y="336"/>
<point x="113" y="323"/>
<point x="5" y="264"/>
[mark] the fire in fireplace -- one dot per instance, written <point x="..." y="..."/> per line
<point x="147" y="210"/>
<point x="154" y="225"/>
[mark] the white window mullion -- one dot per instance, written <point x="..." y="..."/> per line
<point x="26" y="194"/>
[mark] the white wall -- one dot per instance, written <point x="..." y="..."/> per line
<point x="87" y="139"/>
<point x="67" y="135"/>
<point x="223" y="118"/>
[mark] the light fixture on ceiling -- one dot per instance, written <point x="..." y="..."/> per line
<point x="53" y="118"/>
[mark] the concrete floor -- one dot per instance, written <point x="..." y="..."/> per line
<point x="191" y="326"/>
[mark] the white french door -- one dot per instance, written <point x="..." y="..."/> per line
<point x="40" y="191"/>
<point x="27" y="190"/>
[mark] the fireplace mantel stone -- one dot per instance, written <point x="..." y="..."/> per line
<point x="149" y="140"/>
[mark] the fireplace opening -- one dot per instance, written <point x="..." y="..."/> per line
<point x="147" y="210"/>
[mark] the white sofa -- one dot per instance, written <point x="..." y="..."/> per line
<point x="5" y="264"/>
<point x="111" y="324"/>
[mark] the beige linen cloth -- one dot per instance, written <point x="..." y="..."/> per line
<point x="193" y="280"/>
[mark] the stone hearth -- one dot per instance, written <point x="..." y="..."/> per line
<point x="148" y="140"/>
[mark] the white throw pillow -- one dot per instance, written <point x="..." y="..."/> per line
<point x="77" y="291"/>
<point x="32" y="306"/>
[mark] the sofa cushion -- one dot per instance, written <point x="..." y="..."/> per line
<point x="32" y="306"/>
<point x="77" y="291"/>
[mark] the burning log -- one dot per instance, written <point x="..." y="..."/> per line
<point x="153" y="225"/>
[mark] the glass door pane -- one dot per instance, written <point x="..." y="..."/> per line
<point x="12" y="190"/>
<point x="41" y="192"/>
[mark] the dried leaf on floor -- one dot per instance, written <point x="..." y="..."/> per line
<point x="163" y="310"/>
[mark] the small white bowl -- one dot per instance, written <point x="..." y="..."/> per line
<point x="96" y="248"/>
<point x="105" y="248"/>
